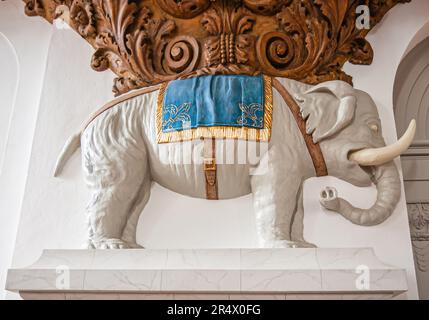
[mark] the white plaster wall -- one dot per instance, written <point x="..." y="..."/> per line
<point x="52" y="213"/>
<point x="29" y="39"/>
<point x="421" y="35"/>
<point x="9" y="66"/>
<point x="55" y="207"/>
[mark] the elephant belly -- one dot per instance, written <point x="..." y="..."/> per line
<point x="178" y="167"/>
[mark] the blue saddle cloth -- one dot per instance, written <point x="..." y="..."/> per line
<point x="216" y="102"/>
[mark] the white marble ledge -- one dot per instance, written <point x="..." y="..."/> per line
<point x="222" y="272"/>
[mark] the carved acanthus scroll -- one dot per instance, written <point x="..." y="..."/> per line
<point x="148" y="42"/>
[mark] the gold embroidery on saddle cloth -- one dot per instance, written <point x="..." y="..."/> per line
<point x="218" y="132"/>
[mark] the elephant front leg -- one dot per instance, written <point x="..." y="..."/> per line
<point x="297" y="233"/>
<point x="275" y="195"/>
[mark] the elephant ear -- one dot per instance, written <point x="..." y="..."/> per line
<point x="328" y="108"/>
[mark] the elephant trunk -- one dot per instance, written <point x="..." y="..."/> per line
<point x="386" y="178"/>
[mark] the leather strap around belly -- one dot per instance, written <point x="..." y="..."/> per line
<point x="313" y="148"/>
<point x="210" y="169"/>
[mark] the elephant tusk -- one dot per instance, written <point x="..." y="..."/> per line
<point x="379" y="156"/>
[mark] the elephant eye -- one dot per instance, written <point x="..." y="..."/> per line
<point x="299" y="99"/>
<point x="374" y="127"/>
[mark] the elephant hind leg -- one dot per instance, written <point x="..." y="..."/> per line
<point x="130" y="230"/>
<point x="117" y="173"/>
<point x="115" y="208"/>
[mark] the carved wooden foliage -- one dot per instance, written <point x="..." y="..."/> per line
<point x="146" y="42"/>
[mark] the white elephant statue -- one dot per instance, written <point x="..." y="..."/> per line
<point x="122" y="156"/>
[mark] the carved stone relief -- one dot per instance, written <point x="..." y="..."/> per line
<point x="419" y="226"/>
<point x="419" y="221"/>
<point x="148" y="42"/>
<point x="421" y="252"/>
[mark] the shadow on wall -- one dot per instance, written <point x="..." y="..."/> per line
<point x="9" y="65"/>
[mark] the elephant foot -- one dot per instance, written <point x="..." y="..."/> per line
<point x="287" y="244"/>
<point x="329" y="199"/>
<point x="112" y="243"/>
<point x="304" y="244"/>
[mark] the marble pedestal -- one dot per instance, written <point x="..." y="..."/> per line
<point x="208" y="274"/>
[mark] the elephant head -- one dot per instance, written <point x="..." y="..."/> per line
<point x="346" y="123"/>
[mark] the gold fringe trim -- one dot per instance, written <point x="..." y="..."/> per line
<point x="219" y="132"/>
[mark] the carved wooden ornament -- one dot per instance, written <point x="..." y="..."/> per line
<point x="145" y="42"/>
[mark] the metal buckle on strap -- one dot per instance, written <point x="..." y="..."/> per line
<point x="210" y="169"/>
<point x="209" y="164"/>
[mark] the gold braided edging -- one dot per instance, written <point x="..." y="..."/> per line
<point x="219" y="132"/>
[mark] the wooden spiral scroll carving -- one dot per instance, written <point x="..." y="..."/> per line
<point x="181" y="55"/>
<point x="151" y="41"/>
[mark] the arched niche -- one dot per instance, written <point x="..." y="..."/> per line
<point x="9" y="68"/>
<point x="421" y="35"/>
<point x="411" y="94"/>
<point x="411" y="101"/>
